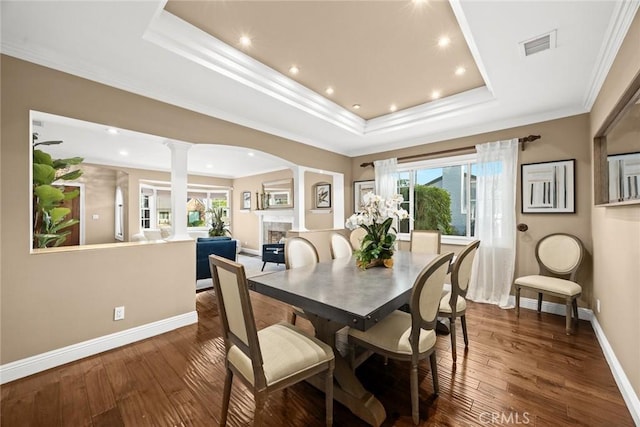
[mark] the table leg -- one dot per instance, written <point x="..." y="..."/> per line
<point x="348" y="390"/>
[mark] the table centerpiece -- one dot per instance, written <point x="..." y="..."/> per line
<point x="376" y="218"/>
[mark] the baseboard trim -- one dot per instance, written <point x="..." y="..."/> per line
<point x="626" y="389"/>
<point x="255" y="252"/>
<point x="41" y="362"/>
<point x="550" y="307"/>
<point x="624" y="385"/>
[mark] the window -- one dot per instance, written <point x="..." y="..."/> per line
<point x="155" y="205"/>
<point x="440" y="195"/>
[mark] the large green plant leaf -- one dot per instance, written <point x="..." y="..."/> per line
<point x="43" y="174"/>
<point x="63" y="163"/>
<point x="70" y="176"/>
<point x="68" y="195"/>
<point x="58" y="214"/>
<point x="42" y="158"/>
<point x="48" y="196"/>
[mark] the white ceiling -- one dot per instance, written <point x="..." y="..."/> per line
<point x="139" y="47"/>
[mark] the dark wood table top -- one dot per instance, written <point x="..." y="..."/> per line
<point x="338" y="291"/>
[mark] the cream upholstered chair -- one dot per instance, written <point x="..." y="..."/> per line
<point x="356" y="237"/>
<point x="409" y="336"/>
<point x="453" y="303"/>
<point x="425" y="241"/>
<point x="274" y="358"/>
<point x="559" y="256"/>
<point x="299" y="252"/>
<point x="340" y="246"/>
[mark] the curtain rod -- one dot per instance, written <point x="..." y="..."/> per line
<point x="521" y="141"/>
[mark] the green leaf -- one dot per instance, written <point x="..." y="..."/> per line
<point x="48" y="196"/>
<point x="63" y="163"/>
<point x="65" y="224"/>
<point x="43" y="174"/>
<point x="68" y="195"/>
<point x="70" y="176"/>
<point x="42" y="158"/>
<point x="58" y="214"/>
<point x="46" y="142"/>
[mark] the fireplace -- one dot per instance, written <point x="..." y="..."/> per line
<point x="274" y="231"/>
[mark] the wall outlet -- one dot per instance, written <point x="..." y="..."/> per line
<point x="118" y="313"/>
<point x="598" y="305"/>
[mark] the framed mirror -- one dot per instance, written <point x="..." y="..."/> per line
<point x="278" y="194"/>
<point x="617" y="152"/>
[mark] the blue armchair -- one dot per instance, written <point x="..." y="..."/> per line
<point x="205" y="246"/>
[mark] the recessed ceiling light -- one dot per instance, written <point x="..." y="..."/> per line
<point x="460" y="71"/>
<point x="419" y="2"/>
<point x="444" y="41"/>
<point x="112" y="131"/>
<point x="294" y="69"/>
<point x="329" y="91"/>
<point x="356" y="106"/>
<point x="209" y="166"/>
<point x="393" y="108"/>
<point x="435" y="94"/>
<point x="123" y="152"/>
<point x="245" y="41"/>
<point x="250" y="154"/>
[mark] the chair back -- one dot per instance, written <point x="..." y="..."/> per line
<point x="356" y="237"/>
<point x="340" y="246"/>
<point x="236" y="313"/>
<point x="299" y="252"/>
<point x="425" y="241"/>
<point x="559" y="254"/>
<point x="461" y="271"/>
<point x="426" y="293"/>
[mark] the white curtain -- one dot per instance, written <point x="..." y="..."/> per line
<point x="386" y="177"/>
<point x="495" y="222"/>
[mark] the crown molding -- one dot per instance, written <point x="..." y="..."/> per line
<point x="177" y="36"/>
<point x="442" y="108"/>
<point x="621" y="20"/>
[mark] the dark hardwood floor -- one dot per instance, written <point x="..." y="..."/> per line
<point x="525" y="372"/>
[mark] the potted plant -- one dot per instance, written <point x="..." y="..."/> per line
<point x="50" y="223"/>
<point x="218" y="227"/>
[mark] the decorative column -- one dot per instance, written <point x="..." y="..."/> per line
<point x="179" y="155"/>
<point x="299" y="221"/>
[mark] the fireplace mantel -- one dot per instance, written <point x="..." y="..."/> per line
<point x="274" y="212"/>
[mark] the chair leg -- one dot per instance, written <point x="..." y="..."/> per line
<point x="434" y="373"/>
<point x="293" y="317"/>
<point x="226" y="396"/>
<point x="263" y="264"/>
<point x="415" y="410"/>
<point x="539" y="302"/>
<point x="574" y="302"/>
<point x="463" y="320"/>
<point x="568" y="314"/>
<point x="452" y="332"/>
<point x="328" y="395"/>
<point x="518" y="301"/>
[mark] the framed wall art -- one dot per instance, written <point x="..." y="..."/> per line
<point x="360" y="188"/>
<point x="322" y="196"/>
<point x="549" y="187"/>
<point x="246" y="200"/>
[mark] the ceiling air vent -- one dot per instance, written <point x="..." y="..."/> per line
<point x="538" y="44"/>
<point x="37" y="123"/>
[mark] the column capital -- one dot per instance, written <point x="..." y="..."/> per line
<point x="177" y="145"/>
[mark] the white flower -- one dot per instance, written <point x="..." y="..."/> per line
<point x="376" y="210"/>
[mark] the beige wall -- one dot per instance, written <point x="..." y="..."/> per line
<point x="562" y="139"/>
<point x="321" y="219"/>
<point x="99" y="199"/>
<point x="52" y="300"/>
<point x="616" y="232"/>
<point x="245" y="225"/>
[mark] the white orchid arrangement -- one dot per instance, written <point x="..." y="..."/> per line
<point x="376" y="218"/>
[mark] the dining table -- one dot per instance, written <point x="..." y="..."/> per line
<point x="335" y="294"/>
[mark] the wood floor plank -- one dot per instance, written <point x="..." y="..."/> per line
<point x="514" y="367"/>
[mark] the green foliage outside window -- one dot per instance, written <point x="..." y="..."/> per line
<point x="432" y="209"/>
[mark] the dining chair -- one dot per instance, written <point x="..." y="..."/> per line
<point x="453" y="304"/>
<point x="299" y="252"/>
<point x="409" y="336"/>
<point x="559" y="256"/>
<point x="356" y="237"/>
<point x="271" y="359"/>
<point x="340" y="246"/>
<point x="425" y="241"/>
